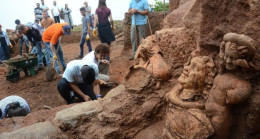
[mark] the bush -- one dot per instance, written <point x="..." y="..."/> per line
<point x="159" y="6"/>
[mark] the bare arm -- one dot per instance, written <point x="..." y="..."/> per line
<point x="240" y="93"/>
<point x="88" y="25"/>
<point x="76" y="89"/>
<point x="95" y="20"/>
<point x="111" y="20"/>
<point x="52" y="12"/>
<point x="144" y="12"/>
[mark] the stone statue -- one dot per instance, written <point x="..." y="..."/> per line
<point x="231" y="86"/>
<point x="148" y="56"/>
<point x="185" y="117"/>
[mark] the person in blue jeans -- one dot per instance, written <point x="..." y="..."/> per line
<point x="22" y="38"/>
<point x="4" y="45"/>
<point x="59" y="56"/>
<point x="34" y="35"/>
<point x="51" y="39"/>
<point x="85" y="33"/>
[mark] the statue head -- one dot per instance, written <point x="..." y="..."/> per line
<point x="197" y="77"/>
<point x="236" y="51"/>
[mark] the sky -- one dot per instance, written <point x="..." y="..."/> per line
<point x="10" y="10"/>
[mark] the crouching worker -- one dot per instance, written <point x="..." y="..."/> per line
<point x="13" y="106"/>
<point x="79" y="79"/>
<point x="34" y="35"/>
<point x="98" y="57"/>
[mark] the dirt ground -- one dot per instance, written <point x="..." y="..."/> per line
<point x="38" y="92"/>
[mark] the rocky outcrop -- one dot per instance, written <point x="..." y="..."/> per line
<point x="155" y="19"/>
<point x="35" y="131"/>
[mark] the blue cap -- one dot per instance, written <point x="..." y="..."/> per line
<point x="66" y="29"/>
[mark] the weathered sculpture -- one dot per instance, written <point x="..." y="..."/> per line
<point x="185" y="118"/>
<point x="231" y="85"/>
<point x="149" y="57"/>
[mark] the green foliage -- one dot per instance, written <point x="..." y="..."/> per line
<point x="159" y="6"/>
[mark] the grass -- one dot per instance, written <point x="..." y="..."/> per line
<point x="77" y="28"/>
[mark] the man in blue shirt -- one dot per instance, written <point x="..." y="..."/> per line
<point x="138" y="9"/>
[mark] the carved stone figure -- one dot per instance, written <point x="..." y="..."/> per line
<point x="148" y="56"/>
<point x="231" y="85"/>
<point x="185" y="118"/>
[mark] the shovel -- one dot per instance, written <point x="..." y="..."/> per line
<point x="51" y="72"/>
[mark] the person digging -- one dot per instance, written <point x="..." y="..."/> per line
<point x="80" y="79"/>
<point x="34" y="36"/>
<point x="51" y="39"/>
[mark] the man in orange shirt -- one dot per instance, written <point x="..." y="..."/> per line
<point x="51" y="39"/>
<point x="46" y="21"/>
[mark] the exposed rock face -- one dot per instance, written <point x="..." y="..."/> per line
<point x="155" y="19"/>
<point x="123" y="112"/>
<point x="35" y="131"/>
<point x="221" y="17"/>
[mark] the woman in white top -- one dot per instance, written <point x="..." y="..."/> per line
<point x="68" y="17"/>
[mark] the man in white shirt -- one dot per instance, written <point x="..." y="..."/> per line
<point x="55" y="11"/>
<point x="88" y="12"/>
<point x="44" y="7"/>
<point x="80" y="79"/>
<point x="12" y="106"/>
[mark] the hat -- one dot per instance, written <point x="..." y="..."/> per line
<point x="17" y="21"/>
<point x="66" y="29"/>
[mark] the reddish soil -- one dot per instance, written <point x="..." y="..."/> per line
<point x="38" y="92"/>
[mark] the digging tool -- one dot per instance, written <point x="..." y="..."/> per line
<point x="136" y="39"/>
<point x="50" y="72"/>
<point x="149" y="25"/>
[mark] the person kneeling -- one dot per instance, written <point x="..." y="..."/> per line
<point x="79" y="78"/>
<point x="13" y="106"/>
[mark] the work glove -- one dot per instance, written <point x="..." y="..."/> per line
<point x="87" y="37"/>
<point x="95" y="32"/>
<point x="55" y="57"/>
<point x="113" y="28"/>
<point x="10" y="45"/>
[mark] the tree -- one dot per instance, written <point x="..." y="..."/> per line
<point x="159" y="6"/>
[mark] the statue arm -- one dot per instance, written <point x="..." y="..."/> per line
<point x="239" y="94"/>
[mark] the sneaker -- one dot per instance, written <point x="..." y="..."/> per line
<point x="39" y="68"/>
<point x="72" y="95"/>
<point x="79" y="57"/>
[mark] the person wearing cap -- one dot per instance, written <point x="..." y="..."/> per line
<point x="51" y="39"/>
<point x="80" y="79"/>
<point x="33" y="33"/>
<point x="4" y="45"/>
<point x="22" y="38"/>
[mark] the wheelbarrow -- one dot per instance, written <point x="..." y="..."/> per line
<point x="16" y="65"/>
